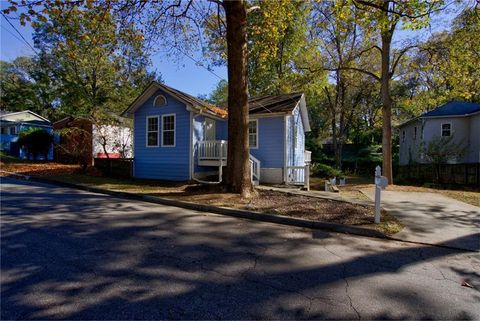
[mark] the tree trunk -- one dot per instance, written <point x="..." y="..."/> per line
<point x="238" y="178"/>
<point x="386" y="108"/>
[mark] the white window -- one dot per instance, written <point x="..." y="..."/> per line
<point x="415" y="132"/>
<point x="152" y="131"/>
<point x="159" y="101"/>
<point x="403" y="136"/>
<point x="253" y="133"/>
<point x="446" y="130"/>
<point x="168" y="130"/>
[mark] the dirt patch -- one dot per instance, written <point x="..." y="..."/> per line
<point x="38" y="168"/>
<point x="271" y="202"/>
<point x="263" y="201"/>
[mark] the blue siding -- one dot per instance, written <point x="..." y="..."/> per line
<point x="168" y="163"/>
<point x="270" y="150"/>
<point x="172" y="163"/>
<point x="222" y="129"/>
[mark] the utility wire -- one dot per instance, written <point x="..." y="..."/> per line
<point x="197" y="62"/>
<point x="23" y="38"/>
<point x="13" y="35"/>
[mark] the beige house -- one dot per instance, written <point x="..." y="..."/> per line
<point x="456" y="118"/>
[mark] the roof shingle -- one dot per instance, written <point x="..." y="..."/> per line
<point x="454" y="108"/>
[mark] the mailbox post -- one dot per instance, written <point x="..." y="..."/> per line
<point x="381" y="182"/>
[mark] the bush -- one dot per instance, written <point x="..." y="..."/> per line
<point x="36" y="141"/>
<point x="324" y="171"/>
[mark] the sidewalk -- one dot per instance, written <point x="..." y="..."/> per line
<point x="433" y="218"/>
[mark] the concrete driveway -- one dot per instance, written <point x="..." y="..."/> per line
<point x="433" y="218"/>
<point x="68" y="254"/>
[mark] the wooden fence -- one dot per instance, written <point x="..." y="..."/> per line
<point x="450" y="174"/>
<point x="115" y="167"/>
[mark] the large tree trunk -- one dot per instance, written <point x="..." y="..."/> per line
<point x="386" y="108"/>
<point x="238" y="178"/>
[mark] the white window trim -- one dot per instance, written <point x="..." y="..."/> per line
<point x="174" y="130"/>
<point x="155" y="100"/>
<point x="146" y="131"/>
<point x="205" y="128"/>
<point x="256" y="134"/>
<point x="441" y="129"/>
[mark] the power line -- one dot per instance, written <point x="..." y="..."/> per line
<point x="198" y="63"/>
<point x="13" y="35"/>
<point x="23" y="38"/>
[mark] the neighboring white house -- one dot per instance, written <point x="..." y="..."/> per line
<point x="117" y="140"/>
<point x="455" y="118"/>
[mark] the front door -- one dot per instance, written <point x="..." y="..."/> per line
<point x="209" y="129"/>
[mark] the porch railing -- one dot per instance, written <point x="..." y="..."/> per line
<point x="298" y="175"/>
<point x="308" y="156"/>
<point x="254" y="168"/>
<point x="212" y="149"/>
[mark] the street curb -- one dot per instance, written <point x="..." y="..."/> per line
<point x="263" y="217"/>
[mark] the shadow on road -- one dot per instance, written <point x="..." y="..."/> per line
<point x="71" y="255"/>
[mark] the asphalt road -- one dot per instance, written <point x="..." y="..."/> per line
<point x="69" y="254"/>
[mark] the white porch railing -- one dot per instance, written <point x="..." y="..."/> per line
<point x="295" y="175"/>
<point x="212" y="149"/>
<point x="254" y="169"/>
<point x="298" y="175"/>
<point x="308" y="156"/>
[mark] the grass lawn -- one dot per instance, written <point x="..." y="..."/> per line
<point x="272" y="202"/>
<point x="355" y="184"/>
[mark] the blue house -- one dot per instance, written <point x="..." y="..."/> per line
<point x="13" y="123"/>
<point x="179" y="137"/>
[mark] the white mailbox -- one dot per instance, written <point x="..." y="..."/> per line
<point x="381" y="182"/>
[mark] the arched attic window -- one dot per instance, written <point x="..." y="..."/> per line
<point x="159" y="101"/>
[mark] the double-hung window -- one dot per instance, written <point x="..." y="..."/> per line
<point x="446" y="130"/>
<point x="253" y="133"/>
<point x="415" y="132"/>
<point x="152" y="131"/>
<point x="168" y="130"/>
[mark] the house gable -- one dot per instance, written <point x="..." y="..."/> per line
<point x="25" y="116"/>
<point x="159" y="160"/>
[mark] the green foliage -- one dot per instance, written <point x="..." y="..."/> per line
<point x="99" y="68"/>
<point x="324" y="171"/>
<point x="219" y="96"/>
<point x="26" y="84"/>
<point x="446" y="66"/>
<point x="441" y="150"/>
<point x="36" y="141"/>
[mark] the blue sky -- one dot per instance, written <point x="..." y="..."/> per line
<point x="183" y="73"/>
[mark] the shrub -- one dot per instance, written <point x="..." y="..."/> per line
<point x="36" y="141"/>
<point x="324" y="171"/>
